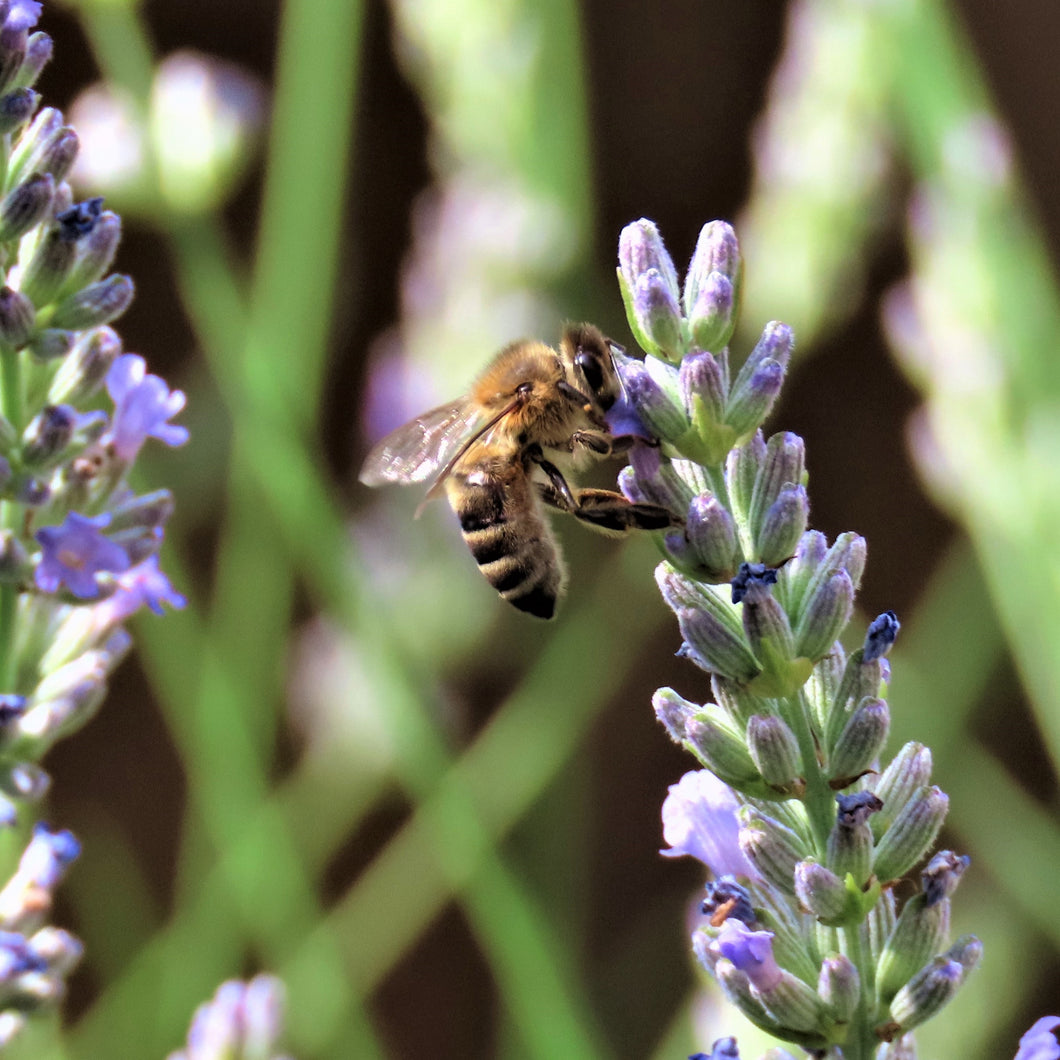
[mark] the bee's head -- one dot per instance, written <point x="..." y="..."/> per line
<point x="589" y="355"/>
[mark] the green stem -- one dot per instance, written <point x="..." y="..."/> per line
<point x="819" y="799"/>
<point x="719" y="487"/>
<point x="8" y="614"/>
<point x="861" y="1043"/>
<point x="11" y="388"/>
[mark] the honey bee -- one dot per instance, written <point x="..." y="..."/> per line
<point x="497" y="454"/>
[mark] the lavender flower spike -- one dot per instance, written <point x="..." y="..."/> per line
<point x="142" y="405"/>
<point x="797" y="724"/>
<point x="699" y="820"/>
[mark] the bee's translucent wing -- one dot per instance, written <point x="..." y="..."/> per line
<point x="416" y="451"/>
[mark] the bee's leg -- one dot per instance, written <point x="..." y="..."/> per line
<point x="611" y="512"/>
<point x="600" y="443"/>
<point x="604" y="510"/>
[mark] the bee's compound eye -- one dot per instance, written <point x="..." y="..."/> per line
<point x="590" y="368"/>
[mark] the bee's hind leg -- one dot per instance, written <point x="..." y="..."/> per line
<point x="604" y="510"/>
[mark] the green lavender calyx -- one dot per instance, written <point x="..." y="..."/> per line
<point x="814" y="947"/>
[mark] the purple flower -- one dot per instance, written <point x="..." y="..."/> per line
<point x="142" y="405"/>
<point x="22" y="15"/>
<point x="47" y="856"/>
<point x="74" y="553"/>
<point x="144" y="584"/>
<point x="699" y="820"/>
<point x="1039" y="1043"/>
<point x="750" y="951"/>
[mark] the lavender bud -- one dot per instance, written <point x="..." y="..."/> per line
<point x="881" y="634"/>
<point x="655" y="480"/>
<point x="674" y="712"/>
<point x="48" y="435"/>
<point x="26" y="205"/>
<point x="717" y="253"/>
<point x="60" y="950"/>
<point x="82" y="373"/>
<point x="741" y="472"/>
<point x="712" y="319"/>
<point x="149" y="511"/>
<point x="751" y="400"/>
<point x="659" y="316"/>
<point x="782" y="466"/>
<point x="47" y="125"/>
<point x="640" y="248"/>
<point x="821" y="892"/>
<point x="826" y="614"/>
<point x="934" y="985"/>
<point x="810" y="551"/>
<point x="847" y="553"/>
<point x="944" y="871"/>
<point x="48" y="266"/>
<point x="14" y="559"/>
<point x="97" y="249"/>
<point x="722" y="751"/>
<point x="783" y="526"/>
<point x="758" y="382"/>
<point x="769" y="635"/>
<point x="51" y="344"/>
<point x="795" y="1005"/>
<point x="16" y="108"/>
<point x="99" y="303"/>
<point x="859" y="743"/>
<point x="17" y="319"/>
<point x="850" y="841"/>
<point x="654" y="401"/>
<point x="38" y="54"/>
<point x="772" y="848"/>
<point x="13" y="37"/>
<point x="711" y="532"/>
<point x="703" y="386"/>
<point x="775" y="751"/>
<point x="911" y="834"/>
<point x="919" y="934"/>
<point x="839" y="986"/>
<point x="737" y="988"/>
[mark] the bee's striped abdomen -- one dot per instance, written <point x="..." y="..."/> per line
<point x="509" y="539"/>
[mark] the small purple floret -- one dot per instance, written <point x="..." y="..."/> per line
<point x="142" y="585"/>
<point x="47" y="856"/>
<point x="1039" y="1043"/>
<point x="142" y="405"/>
<point x="22" y="15"/>
<point x="74" y="553"/>
<point x="699" y="820"/>
<point x="750" y="951"/>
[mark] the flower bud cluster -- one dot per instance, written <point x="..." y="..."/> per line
<point x="242" y="1021"/>
<point x="78" y="547"/>
<point x="804" y="829"/>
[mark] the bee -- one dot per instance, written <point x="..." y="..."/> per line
<point x="497" y="454"/>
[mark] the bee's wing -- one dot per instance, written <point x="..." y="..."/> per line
<point x="417" y="450"/>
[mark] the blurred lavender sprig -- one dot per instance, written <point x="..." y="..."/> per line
<point x="78" y="547"/>
<point x="805" y="832"/>
<point x="242" y="1021"/>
